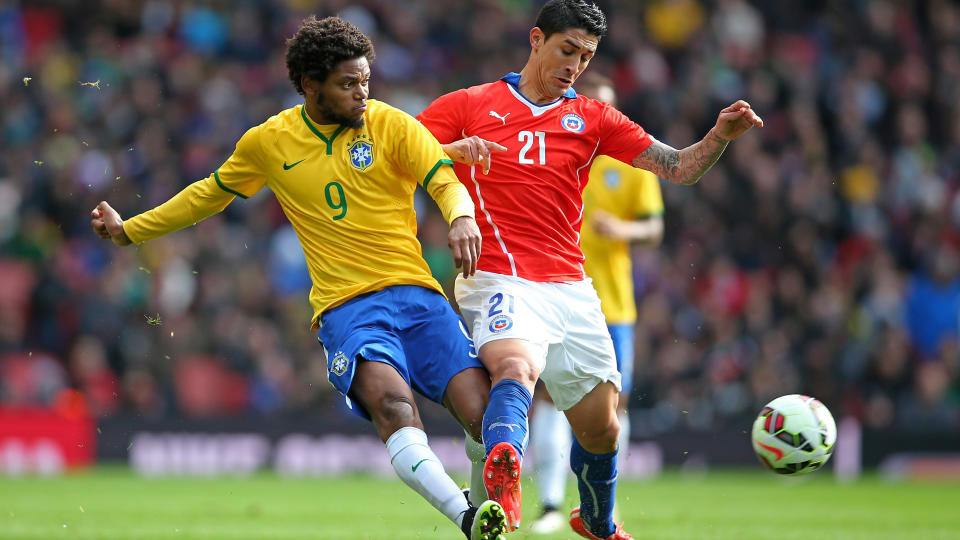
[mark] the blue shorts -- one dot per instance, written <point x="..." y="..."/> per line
<point x="622" y="335"/>
<point x="409" y="327"/>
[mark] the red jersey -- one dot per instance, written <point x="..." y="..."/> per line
<point x="530" y="204"/>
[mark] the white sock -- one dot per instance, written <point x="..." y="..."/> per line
<point x="623" y="440"/>
<point x="623" y="450"/>
<point x="476" y="454"/>
<point x="550" y="443"/>
<point x="419" y="468"/>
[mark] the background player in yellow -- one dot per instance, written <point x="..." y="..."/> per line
<point x="621" y="205"/>
<point x="344" y="169"/>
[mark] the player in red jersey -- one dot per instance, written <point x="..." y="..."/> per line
<point x="532" y="310"/>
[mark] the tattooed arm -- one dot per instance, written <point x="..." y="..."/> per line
<point x="688" y="165"/>
<point x="681" y="166"/>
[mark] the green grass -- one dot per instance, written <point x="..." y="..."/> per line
<point x="112" y="503"/>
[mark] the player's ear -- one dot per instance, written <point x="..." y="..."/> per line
<point x="310" y="86"/>
<point x="536" y="37"/>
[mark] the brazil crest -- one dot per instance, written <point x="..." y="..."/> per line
<point x="360" y="150"/>
<point x="339" y="365"/>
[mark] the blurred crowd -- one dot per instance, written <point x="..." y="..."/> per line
<point x="821" y="255"/>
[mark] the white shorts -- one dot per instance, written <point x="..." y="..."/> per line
<point x="561" y="320"/>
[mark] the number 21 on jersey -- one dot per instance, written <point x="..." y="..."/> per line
<point x="527" y="138"/>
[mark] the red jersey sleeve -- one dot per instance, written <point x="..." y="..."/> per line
<point x="623" y="139"/>
<point x="444" y="117"/>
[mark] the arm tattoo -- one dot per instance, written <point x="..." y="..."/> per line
<point x="681" y="166"/>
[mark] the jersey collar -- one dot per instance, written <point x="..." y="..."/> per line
<point x="306" y="119"/>
<point x="513" y="83"/>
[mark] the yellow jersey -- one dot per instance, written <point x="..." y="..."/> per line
<point x="348" y="192"/>
<point x="629" y="194"/>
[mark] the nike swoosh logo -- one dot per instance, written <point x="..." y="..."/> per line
<point x="414" y="468"/>
<point x="292" y="165"/>
<point x="776" y="451"/>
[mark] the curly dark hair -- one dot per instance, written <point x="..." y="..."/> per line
<point x="320" y="44"/>
<point x="560" y="15"/>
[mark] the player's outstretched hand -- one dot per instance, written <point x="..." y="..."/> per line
<point x="473" y="151"/>
<point x="107" y="224"/>
<point x="464" y="240"/>
<point x="735" y="120"/>
<point x="609" y="226"/>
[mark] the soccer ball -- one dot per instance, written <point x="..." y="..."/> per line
<point x="794" y="435"/>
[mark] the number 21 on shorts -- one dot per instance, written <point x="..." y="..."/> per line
<point x="500" y="321"/>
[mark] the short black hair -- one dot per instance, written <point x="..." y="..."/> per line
<point x="320" y="44"/>
<point x="560" y="15"/>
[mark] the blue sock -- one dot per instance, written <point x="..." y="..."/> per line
<point x="506" y="415"/>
<point x="597" y="480"/>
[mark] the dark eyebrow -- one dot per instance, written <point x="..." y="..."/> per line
<point x="346" y="78"/>
<point x="575" y="46"/>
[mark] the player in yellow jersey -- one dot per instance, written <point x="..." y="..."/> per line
<point x="621" y="205"/>
<point x="344" y="169"/>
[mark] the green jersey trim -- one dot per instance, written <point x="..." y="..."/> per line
<point x="216" y="176"/>
<point x="303" y="113"/>
<point x="649" y="215"/>
<point x="433" y="171"/>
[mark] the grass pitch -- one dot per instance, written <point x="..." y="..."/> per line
<point x="114" y="504"/>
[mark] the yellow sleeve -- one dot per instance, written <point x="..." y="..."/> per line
<point x="241" y="175"/>
<point x="430" y="164"/>
<point x="196" y="202"/>
<point x="451" y="196"/>
<point x="649" y="201"/>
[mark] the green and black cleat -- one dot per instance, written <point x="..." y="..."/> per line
<point x="485" y="522"/>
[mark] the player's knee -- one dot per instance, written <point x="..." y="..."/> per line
<point x="517" y="368"/>
<point x="600" y="437"/>
<point x="395" y="411"/>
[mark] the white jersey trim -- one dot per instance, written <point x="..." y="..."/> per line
<point x="580" y="217"/>
<point x="590" y="160"/>
<point x="496" y="230"/>
<point x="535" y="109"/>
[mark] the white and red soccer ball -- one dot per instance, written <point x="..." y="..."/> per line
<point x="794" y="435"/>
